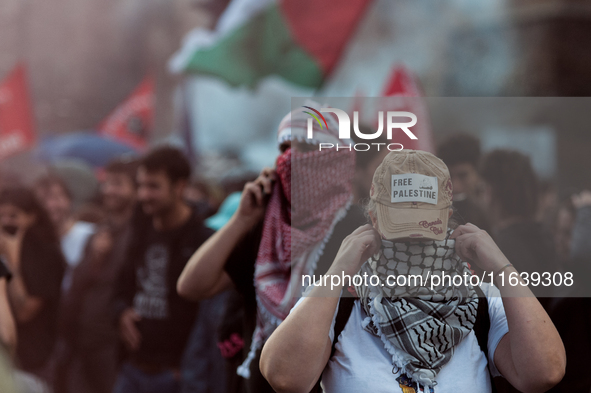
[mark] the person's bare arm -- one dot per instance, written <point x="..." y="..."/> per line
<point x="7" y="325"/>
<point x="204" y="274"/>
<point x="531" y="355"/>
<point x="128" y="331"/>
<point x="24" y="306"/>
<point x="295" y="355"/>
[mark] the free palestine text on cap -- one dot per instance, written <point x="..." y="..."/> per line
<point x="413" y="193"/>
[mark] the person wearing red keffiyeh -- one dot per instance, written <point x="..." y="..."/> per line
<point x="300" y="216"/>
<point x="290" y="222"/>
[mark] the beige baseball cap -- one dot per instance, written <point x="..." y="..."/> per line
<point x="413" y="193"/>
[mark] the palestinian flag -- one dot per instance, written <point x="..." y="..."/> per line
<point x="299" y="40"/>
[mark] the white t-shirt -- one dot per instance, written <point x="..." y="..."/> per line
<point x="362" y="364"/>
<point x="73" y="244"/>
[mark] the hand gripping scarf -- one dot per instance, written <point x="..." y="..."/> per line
<point x="419" y="327"/>
<point x="300" y="216"/>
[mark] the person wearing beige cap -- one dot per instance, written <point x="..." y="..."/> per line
<point x="411" y="196"/>
<point x="426" y="335"/>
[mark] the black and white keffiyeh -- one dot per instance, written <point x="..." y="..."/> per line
<point x="419" y="326"/>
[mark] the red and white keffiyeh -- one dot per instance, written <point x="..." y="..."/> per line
<point x="312" y="193"/>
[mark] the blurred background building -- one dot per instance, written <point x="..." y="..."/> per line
<point x="85" y="57"/>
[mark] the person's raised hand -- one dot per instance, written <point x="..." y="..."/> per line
<point x="475" y="245"/>
<point x="11" y="245"/>
<point x="356" y="249"/>
<point x="102" y="243"/>
<point x="255" y="196"/>
<point x="128" y="331"/>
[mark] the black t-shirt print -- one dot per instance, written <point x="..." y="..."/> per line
<point x="151" y="298"/>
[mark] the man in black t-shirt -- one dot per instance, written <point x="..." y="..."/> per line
<point x="154" y="322"/>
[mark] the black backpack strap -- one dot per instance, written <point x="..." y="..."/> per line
<point x="343" y="313"/>
<point x="481" y="328"/>
<point x="482" y="324"/>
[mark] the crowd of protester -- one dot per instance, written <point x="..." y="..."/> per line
<point x="177" y="284"/>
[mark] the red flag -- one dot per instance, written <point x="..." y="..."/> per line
<point x="402" y="84"/>
<point x="132" y="121"/>
<point x="17" y="132"/>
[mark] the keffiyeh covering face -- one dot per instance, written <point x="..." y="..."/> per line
<point x="419" y="327"/>
<point x="312" y="193"/>
<point x="299" y="217"/>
